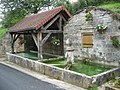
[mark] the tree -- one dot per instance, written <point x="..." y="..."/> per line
<point x="12" y="17"/>
<point x="66" y="3"/>
<point x="15" y="10"/>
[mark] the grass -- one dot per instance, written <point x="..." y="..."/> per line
<point x="2" y="32"/>
<point x="115" y="82"/>
<point x="60" y="61"/>
<point x="93" y="88"/>
<point x="88" y="69"/>
<point x="114" y="7"/>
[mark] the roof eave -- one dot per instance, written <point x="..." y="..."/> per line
<point x="22" y="30"/>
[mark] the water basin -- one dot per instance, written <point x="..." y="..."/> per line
<point x="88" y="69"/>
<point x="33" y="56"/>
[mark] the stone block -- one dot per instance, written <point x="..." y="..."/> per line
<point x="40" y="67"/>
<point x="76" y="79"/>
<point x="65" y="75"/>
<point x="53" y="71"/>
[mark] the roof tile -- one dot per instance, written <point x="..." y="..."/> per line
<point x="37" y="20"/>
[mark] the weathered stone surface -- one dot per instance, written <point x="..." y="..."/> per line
<point x="102" y="48"/>
<point x="5" y="45"/>
<point x="62" y="74"/>
<point x="53" y="71"/>
<point x="77" y="79"/>
<point x="106" y="76"/>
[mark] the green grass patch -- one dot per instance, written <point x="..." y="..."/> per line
<point x="93" y="88"/>
<point x="2" y="32"/>
<point x="59" y="61"/>
<point x="114" y="7"/>
<point x="88" y="69"/>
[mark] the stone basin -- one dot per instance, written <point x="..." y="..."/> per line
<point x="69" y="76"/>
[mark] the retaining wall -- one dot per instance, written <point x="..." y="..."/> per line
<point x="72" y="77"/>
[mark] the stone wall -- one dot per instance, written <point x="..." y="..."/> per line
<point x="52" y="71"/>
<point x="103" y="51"/>
<point x="72" y="77"/>
<point x="5" y="44"/>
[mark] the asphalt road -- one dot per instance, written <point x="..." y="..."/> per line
<point x="11" y="79"/>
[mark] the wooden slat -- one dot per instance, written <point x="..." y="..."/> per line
<point x="46" y="38"/>
<point x="63" y="18"/>
<point x="35" y="39"/>
<point x="39" y="38"/>
<point x="87" y="40"/>
<point x="50" y="23"/>
<point x="60" y="22"/>
<point x="87" y="46"/>
<point x="52" y="31"/>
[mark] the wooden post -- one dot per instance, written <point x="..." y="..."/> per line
<point x="60" y="23"/>
<point x="35" y="39"/>
<point x="46" y="38"/>
<point x="12" y="43"/>
<point x="14" y="37"/>
<point x="39" y="38"/>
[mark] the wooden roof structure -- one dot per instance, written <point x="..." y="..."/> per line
<point x="40" y="23"/>
<point x="36" y="21"/>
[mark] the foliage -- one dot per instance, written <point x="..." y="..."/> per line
<point x="55" y="41"/>
<point x="15" y="10"/>
<point x="89" y="16"/>
<point x="115" y="7"/>
<point x="12" y="17"/>
<point x="115" y="41"/>
<point x="101" y="28"/>
<point x="2" y="32"/>
<point x="85" y="3"/>
<point x="93" y="88"/>
<point x="66" y="3"/>
<point x="115" y="82"/>
<point x="88" y="69"/>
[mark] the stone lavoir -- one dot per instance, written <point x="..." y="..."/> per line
<point x="88" y="42"/>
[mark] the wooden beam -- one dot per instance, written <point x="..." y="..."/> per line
<point x="50" y="23"/>
<point x="63" y="18"/>
<point x="52" y="31"/>
<point x="58" y="25"/>
<point x="39" y="38"/>
<point x="12" y="43"/>
<point x="14" y="37"/>
<point x="35" y="39"/>
<point x="45" y="39"/>
<point x="60" y="22"/>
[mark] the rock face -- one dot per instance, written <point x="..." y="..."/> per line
<point x="103" y="51"/>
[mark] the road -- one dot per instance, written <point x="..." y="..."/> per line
<point x="12" y="79"/>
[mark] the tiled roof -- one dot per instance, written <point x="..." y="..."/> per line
<point x="34" y="22"/>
